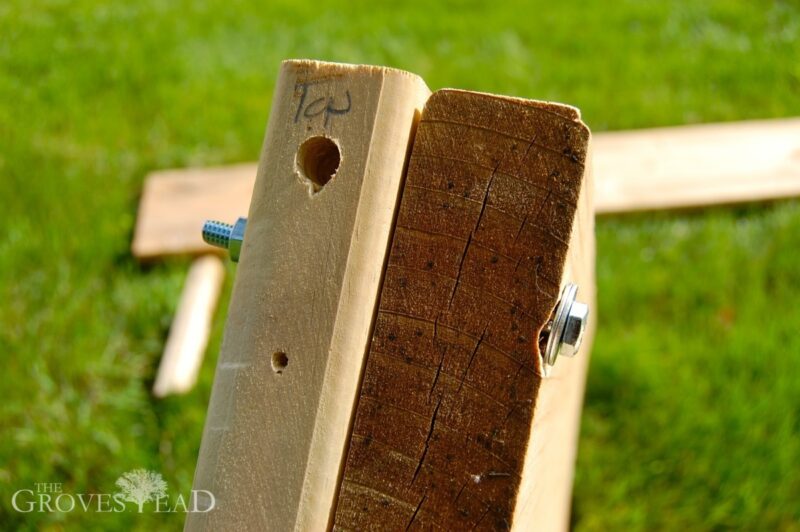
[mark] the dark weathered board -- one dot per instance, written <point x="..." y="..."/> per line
<point x="451" y="378"/>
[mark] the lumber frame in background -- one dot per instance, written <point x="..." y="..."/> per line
<point x="638" y="170"/>
<point x="191" y="327"/>
<point x="697" y="165"/>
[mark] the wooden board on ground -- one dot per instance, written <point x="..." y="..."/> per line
<point x="175" y="203"/>
<point x="649" y="169"/>
<point x="449" y="431"/>
<point x="305" y="295"/>
<point x="172" y="209"/>
<point x="692" y="166"/>
<point x="188" y="334"/>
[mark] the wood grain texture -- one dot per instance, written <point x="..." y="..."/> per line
<point x="449" y="393"/>
<point x="306" y="286"/>
<point x="545" y="490"/>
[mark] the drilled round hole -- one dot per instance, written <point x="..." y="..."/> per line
<point x="317" y="161"/>
<point x="279" y="361"/>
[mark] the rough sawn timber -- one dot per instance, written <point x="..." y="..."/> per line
<point x="454" y="427"/>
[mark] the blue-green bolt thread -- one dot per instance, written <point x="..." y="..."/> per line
<point x="217" y="233"/>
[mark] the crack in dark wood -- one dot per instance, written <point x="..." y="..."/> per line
<point x="453" y="369"/>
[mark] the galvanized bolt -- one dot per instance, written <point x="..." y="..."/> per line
<point x="566" y="328"/>
<point x="227" y="236"/>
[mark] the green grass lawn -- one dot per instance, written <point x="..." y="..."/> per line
<point x="692" y="417"/>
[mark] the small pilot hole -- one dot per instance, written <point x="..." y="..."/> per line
<point x="279" y="361"/>
<point x="317" y="160"/>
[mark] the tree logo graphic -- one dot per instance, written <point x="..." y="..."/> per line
<point x="141" y="485"/>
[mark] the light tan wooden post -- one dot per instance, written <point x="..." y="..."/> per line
<point x="305" y="295"/>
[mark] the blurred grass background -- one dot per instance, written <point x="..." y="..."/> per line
<point x="692" y="415"/>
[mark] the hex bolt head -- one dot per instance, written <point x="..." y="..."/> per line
<point x="573" y="330"/>
<point x="226" y="236"/>
<point x="566" y="328"/>
<point x="237" y="239"/>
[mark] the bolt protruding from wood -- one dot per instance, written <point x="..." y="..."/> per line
<point x="226" y="236"/>
<point x="565" y="331"/>
<point x="574" y="329"/>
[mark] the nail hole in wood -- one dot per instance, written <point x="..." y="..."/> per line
<point x="279" y="361"/>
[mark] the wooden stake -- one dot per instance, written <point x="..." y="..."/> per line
<point x="188" y="335"/>
<point x="305" y="295"/>
<point x="455" y="428"/>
